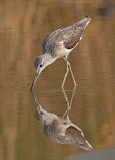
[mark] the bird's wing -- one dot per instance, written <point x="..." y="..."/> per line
<point x="74" y="33"/>
<point x="76" y="134"/>
<point x="77" y="138"/>
<point x="49" y="41"/>
<point x="70" y="36"/>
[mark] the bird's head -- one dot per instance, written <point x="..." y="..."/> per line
<point x="43" y="116"/>
<point x="40" y="63"/>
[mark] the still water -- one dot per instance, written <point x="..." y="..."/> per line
<point x="23" y="25"/>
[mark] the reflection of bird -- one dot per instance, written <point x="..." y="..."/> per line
<point x="60" y="130"/>
<point x="59" y="44"/>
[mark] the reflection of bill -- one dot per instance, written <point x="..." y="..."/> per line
<point x="60" y="130"/>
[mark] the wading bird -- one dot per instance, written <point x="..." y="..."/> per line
<point x="59" y="44"/>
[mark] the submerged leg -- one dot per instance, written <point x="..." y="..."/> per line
<point x="69" y="103"/>
<point x="75" y="84"/>
<point x="67" y="70"/>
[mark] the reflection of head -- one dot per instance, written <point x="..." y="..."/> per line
<point x="43" y="116"/>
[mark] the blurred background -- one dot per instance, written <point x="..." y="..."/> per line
<point x="23" y="26"/>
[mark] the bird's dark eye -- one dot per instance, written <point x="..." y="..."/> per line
<point x="40" y="65"/>
<point x="64" y="123"/>
<point x="41" y="113"/>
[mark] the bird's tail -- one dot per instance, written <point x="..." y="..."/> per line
<point x="84" y="22"/>
<point x="86" y="146"/>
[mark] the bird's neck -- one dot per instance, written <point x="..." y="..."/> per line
<point x="50" y="117"/>
<point x="49" y="58"/>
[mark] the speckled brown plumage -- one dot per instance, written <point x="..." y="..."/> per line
<point x="59" y="44"/>
<point x="70" y="36"/>
<point x="73" y="40"/>
<point x="60" y="130"/>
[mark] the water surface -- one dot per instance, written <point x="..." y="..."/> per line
<point x="23" y="25"/>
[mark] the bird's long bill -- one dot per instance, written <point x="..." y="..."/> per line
<point x="34" y="81"/>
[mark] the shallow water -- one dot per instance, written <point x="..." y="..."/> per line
<point x="23" y="25"/>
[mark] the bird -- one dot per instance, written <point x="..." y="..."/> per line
<point x="58" y="44"/>
<point x="59" y="129"/>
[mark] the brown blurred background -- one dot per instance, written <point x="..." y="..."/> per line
<point x="23" y="26"/>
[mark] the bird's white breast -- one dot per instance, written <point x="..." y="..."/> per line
<point x="61" y="50"/>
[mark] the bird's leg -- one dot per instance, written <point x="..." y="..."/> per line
<point x="73" y="92"/>
<point x="75" y="84"/>
<point x="66" y="114"/>
<point x="67" y="70"/>
<point x="69" y="103"/>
